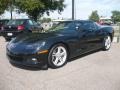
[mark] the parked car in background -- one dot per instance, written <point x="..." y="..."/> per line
<point x="62" y="42"/>
<point x="2" y="23"/>
<point x="105" y="22"/>
<point x="18" y="26"/>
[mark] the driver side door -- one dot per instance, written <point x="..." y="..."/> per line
<point x="89" y="37"/>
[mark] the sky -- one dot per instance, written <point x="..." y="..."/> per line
<point x="83" y="9"/>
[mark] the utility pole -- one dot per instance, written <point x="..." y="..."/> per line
<point x="11" y="8"/>
<point x="73" y="9"/>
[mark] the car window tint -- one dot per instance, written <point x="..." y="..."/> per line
<point x="30" y="22"/>
<point x="1" y="22"/>
<point x="98" y="26"/>
<point x="60" y="26"/>
<point x="15" y="22"/>
<point x="35" y="23"/>
<point x="4" y="22"/>
<point x="88" y="26"/>
<point x="78" y="24"/>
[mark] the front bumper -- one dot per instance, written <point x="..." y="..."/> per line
<point x="32" y="60"/>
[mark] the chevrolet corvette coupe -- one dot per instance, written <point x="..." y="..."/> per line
<point x="60" y="43"/>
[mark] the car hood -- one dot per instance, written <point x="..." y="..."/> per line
<point x="34" y="37"/>
<point x="28" y="43"/>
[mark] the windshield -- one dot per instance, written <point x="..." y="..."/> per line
<point x="15" y="22"/>
<point x="97" y="24"/>
<point x="60" y="26"/>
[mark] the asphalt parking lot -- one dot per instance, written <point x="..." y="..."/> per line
<point x="96" y="71"/>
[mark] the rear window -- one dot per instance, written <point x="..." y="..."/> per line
<point x="3" y="22"/>
<point x="16" y="22"/>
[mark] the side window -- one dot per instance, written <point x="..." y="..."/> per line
<point x="30" y="22"/>
<point x="89" y="26"/>
<point x="97" y="26"/>
<point x="71" y="25"/>
<point x="35" y="23"/>
<point x="78" y="24"/>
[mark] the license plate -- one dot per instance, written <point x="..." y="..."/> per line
<point x="9" y="34"/>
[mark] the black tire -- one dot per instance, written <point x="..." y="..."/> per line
<point x="108" y="46"/>
<point x="50" y="61"/>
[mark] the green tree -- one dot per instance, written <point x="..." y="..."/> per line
<point x="116" y="16"/>
<point x="3" y="5"/>
<point x="94" y="16"/>
<point x="36" y="8"/>
<point x="7" y="5"/>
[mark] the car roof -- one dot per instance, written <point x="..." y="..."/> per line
<point x="75" y="21"/>
<point x="21" y="19"/>
<point x="4" y="19"/>
<point x="84" y="20"/>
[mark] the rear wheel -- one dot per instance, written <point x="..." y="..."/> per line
<point x="58" y="56"/>
<point x="107" y="43"/>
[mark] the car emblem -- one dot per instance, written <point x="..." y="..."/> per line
<point x="9" y="26"/>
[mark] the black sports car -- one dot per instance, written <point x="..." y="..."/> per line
<point x="56" y="46"/>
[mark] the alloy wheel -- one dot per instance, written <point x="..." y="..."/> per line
<point x="59" y="56"/>
<point x="107" y="43"/>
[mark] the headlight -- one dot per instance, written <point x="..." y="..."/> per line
<point x="35" y="46"/>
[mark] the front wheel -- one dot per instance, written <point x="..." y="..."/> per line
<point x="58" y="56"/>
<point x="107" y="43"/>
